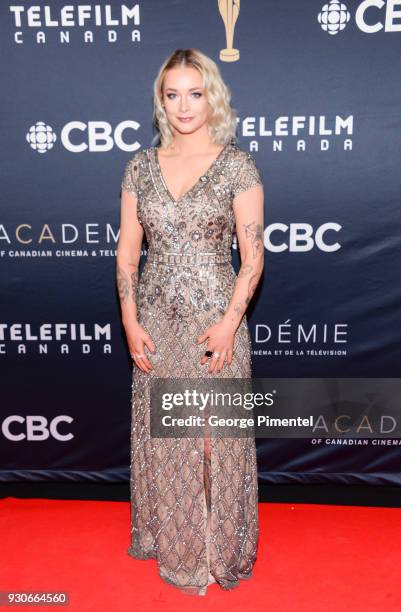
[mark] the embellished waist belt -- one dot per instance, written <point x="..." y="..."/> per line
<point x="187" y="259"/>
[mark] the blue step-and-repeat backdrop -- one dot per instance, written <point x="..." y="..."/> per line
<point x="317" y="90"/>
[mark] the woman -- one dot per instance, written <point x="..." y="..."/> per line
<point x="193" y="500"/>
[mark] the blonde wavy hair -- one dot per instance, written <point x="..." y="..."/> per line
<point x="222" y="122"/>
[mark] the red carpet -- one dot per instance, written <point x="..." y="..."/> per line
<point x="310" y="558"/>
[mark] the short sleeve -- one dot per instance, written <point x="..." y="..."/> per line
<point x="130" y="176"/>
<point x="247" y="175"/>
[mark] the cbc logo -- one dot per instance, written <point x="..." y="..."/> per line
<point x="371" y="16"/>
<point x="36" y="428"/>
<point x="78" y="137"/>
<point x="301" y="237"/>
<point x="298" y="237"/>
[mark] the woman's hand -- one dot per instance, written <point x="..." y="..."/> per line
<point x="138" y="338"/>
<point x="221" y="341"/>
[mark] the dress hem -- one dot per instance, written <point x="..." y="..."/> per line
<point x="190" y="589"/>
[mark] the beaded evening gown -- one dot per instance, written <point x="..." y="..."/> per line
<point x="193" y="500"/>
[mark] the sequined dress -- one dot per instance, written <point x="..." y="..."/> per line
<point x="193" y="501"/>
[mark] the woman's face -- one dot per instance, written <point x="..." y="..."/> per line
<point x="184" y="98"/>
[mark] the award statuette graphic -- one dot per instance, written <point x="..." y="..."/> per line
<point x="229" y="11"/>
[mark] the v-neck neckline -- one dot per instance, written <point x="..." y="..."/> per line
<point x="200" y="180"/>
